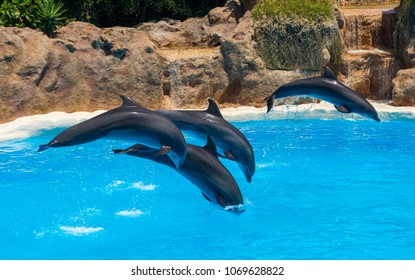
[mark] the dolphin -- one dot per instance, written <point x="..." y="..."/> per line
<point x="231" y="142"/>
<point x="202" y="168"/>
<point x="145" y="126"/>
<point x="329" y="89"/>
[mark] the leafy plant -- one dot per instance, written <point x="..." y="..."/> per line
<point x="50" y="16"/>
<point x="17" y="13"/>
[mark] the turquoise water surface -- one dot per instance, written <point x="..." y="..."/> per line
<point x="323" y="189"/>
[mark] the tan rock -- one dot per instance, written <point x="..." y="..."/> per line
<point x="169" y="64"/>
<point x="369" y="73"/>
<point x="191" y="75"/>
<point x="403" y="93"/>
<point x="367" y="29"/>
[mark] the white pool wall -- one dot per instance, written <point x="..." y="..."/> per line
<point x="33" y="125"/>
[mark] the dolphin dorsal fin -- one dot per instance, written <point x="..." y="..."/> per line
<point x="328" y="73"/>
<point x="126" y="101"/>
<point x="213" y="108"/>
<point x="211" y="146"/>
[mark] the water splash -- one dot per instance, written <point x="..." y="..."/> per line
<point x="143" y="187"/>
<point x="133" y="213"/>
<point x="80" y="231"/>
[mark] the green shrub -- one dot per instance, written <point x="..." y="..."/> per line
<point x="47" y="15"/>
<point x="17" y="13"/>
<point x="315" y="10"/>
<point x="50" y="16"/>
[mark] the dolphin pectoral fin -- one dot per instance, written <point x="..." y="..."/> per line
<point x="342" y="109"/>
<point x="328" y="73"/>
<point x="213" y="108"/>
<point x="270" y="102"/>
<point x="206" y="197"/>
<point x="163" y="150"/>
<point x="137" y="148"/>
<point x="229" y="155"/>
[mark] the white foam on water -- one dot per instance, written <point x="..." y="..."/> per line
<point x="265" y="165"/>
<point x="143" y="187"/>
<point x="248" y="202"/>
<point x="79" y="231"/>
<point x="322" y="110"/>
<point x="235" y="208"/>
<point x="115" y="183"/>
<point x="12" y="147"/>
<point x="114" y="186"/>
<point x="83" y="214"/>
<point x="39" y="234"/>
<point x="130" y="213"/>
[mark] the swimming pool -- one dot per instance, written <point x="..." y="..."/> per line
<point x="323" y="189"/>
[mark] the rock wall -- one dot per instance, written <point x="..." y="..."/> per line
<point x="169" y="64"/>
<point x="367" y="29"/>
<point x="297" y="44"/>
<point x="403" y="92"/>
<point x="405" y="33"/>
<point x="172" y="64"/>
<point x="369" y="64"/>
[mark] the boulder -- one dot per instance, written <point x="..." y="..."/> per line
<point x="72" y="73"/>
<point x="403" y="93"/>
<point x="370" y="73"/>
<point x="405" y="34"/>
<point x="297" y="43"/>
<point x="248" y="4"/>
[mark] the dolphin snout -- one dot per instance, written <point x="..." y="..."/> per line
<point x="43" y="147"/>
<point x="376" y="118"/>
<point x="248" y="170"/>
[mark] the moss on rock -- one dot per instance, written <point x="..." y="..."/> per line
<point x="298" y="43"/>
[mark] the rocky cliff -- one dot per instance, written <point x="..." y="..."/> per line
<point x="168" y="64"/>
<point x="174" y="64"/>
<point x="403" y="92"/>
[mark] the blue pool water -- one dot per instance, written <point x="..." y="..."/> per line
<point x="323" y="189"/>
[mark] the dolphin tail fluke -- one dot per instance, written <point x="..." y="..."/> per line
<point x="270" y="102"/>
<point x="43" y="147"/>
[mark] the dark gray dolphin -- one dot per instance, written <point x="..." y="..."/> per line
<point x="231" y="142"/>
<point x="145" y="126"/>
<point x="329" y="89"/>
<point x="203" y="168"/>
